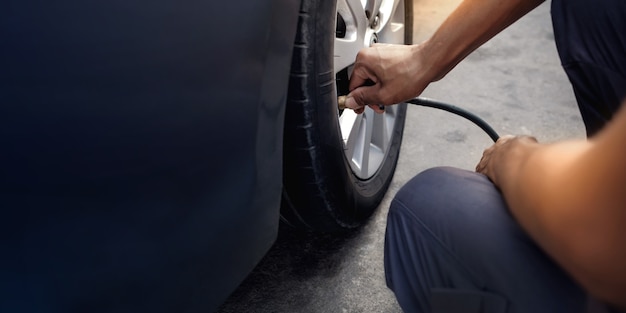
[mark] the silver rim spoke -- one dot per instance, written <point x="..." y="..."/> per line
<point x="367" y="136"/>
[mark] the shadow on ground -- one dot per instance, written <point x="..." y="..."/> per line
<point x="294" y="261"/>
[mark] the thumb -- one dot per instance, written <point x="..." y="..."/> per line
<point x="362" y="96"/>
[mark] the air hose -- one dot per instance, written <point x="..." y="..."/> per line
<point x="458" y="111"/>
<point x="446" y="107"/>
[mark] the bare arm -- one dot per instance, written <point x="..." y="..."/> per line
<point x="473" y="23"/>
<point x="403" y="72"/>
<point x="571" y="198"/>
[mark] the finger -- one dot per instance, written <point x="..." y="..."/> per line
<point x="484" y="160"/>
<point x="362" y="74"/>
<point x="482" y="168"/>
<point x="377" y="108"/>
<point x="362" y="96"/>
<point x="481" y="164"/>
<point x="358" y="80"/>
<point x="531" y="138"/>
<point x="352" y="104"/>
<point x="504" y="139"/>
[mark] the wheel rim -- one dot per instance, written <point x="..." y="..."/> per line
<point x="360" y="23"/>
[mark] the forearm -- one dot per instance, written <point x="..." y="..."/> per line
<point x="472" y="23"/>
<point x="570" y="197"/>
<point x="401" y="72"/>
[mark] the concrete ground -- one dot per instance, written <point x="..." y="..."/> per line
<point x="514" y="82"/>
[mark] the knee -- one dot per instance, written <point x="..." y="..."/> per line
<point x="424" y="181"/>
<point x="446" y="198"/>
<point x="429" y="191"/>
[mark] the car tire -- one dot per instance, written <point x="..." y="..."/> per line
<point x="323" y="187"/>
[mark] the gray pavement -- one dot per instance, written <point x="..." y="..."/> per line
<point x="514" y="82"/>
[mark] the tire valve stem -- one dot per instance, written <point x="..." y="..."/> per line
<point x="341" y="102"/>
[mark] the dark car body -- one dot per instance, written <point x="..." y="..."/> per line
<point x="141" y="148"/>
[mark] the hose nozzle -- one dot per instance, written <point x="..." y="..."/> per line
<point x="341" y="102"/>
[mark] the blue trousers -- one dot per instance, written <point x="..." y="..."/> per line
<point x="451" y="244"/>
<point x="590" y="36"/>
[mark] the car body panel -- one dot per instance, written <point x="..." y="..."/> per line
<point x="141" y="150"/>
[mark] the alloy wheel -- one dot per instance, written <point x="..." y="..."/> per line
<point x="360" y="24"/>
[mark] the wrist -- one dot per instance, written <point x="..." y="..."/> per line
<point x="437" y="59"/>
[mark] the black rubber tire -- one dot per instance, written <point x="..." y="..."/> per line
<point x="320" y="190"/>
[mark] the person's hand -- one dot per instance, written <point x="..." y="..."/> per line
<point x="386" y="74"/>
<point x="505" y="156"/>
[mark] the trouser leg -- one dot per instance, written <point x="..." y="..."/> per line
<point x="451" y="242"/>
<point x="591" y="39"/>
